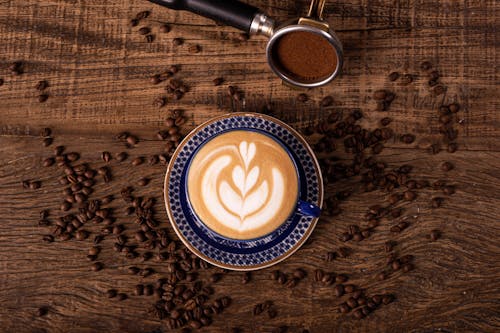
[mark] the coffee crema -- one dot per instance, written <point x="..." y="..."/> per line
<point x="305" y="56"/>
<point x="242" y="184"/>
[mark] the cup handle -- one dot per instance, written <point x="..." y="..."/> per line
<point x="308" y="209"/>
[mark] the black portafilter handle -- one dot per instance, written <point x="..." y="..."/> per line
<point x="230" y="12"/>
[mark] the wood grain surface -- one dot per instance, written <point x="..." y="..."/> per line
<point x="98" y="69"/>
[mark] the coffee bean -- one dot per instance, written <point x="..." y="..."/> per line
<point x="452" y="147"/>
<point x="160" y="101"/>
<point x="118" y="229"/>
<point x="389" y="96"/>
<point x="217" y="81"/>
<point x="177" y="41"/>
<point x="439" y="90"/>
<point x="134" y="22"/>
<point x="45" y="132"/>
<point x="155" y="79"/>
<point x="445" y="119"/>
<point x="396" y="265"/>
<point x="379" y="95"/>
<point x="387" y="299"/>
<point x="133" y="270"/>
<point x="146" y="272"/>
<point x="326" y="101"/>
<point x="132" y="140"/>
<point x="344" y="308"/>
<point x="393" y="76"/>
<point x="407" y="268"/>
<point x="16" y="68"/>
<point x="357" y="237"/>
<point x="357" y="294"/>
<point x="215" y="277"/>
<point x="446" y="166"/>
<point x="318" y="275"/>
<point x="97" y="266"/>
<point x="195" y="48"/>
<point x="65" y="206"/>
<point x="165" y="28"/>
<point x="449" y="189"/>
<point x="272" y="313"/>
<point x="143" y="181"/>
<point x="41" y="311"/>
<point x="72" y="156"/>
<point x="377" y="148"/>
<point x="139" y="290"/>
<point x="425" y="66"/>
<point x="121" y="296"/>
<point x="341" y="278"/>
<point x="385" y="121"/>
<point x="142" y="15"/>
<point x="352" y="302"/>
<point x="144" y="31"/>
<point x="437" y="202"/>
<point x="81" y="235"/>
<point x="48" y="162"/>
<point x="434" y="75"/>
<point x="42" y="85"/>
<point x="106" y="156"/>
<point x="245" y="278"/>
<point x="435" y="235"/>
<point x="302" y="97"/>
<point x="454" y="107"/>
<point x="406" y="79"/>
<point x="344" y="237"/>
<point x="381" y="276"/>
<point x="43" y="98"/>
<point x="94" y="251"/>
<point x="137" y="161"/>
<point x="407" y="138"/>
<point x="389" y="246"/>
<point x="396" y="212"/>
<point x="339" y="290"/>
<point x="194" y="324"/>
<point x="410" y="195"/>
<point x="344" y="252"/>
<point x="47" y="142"/>
<point x="330" y="256"/>
<point x="403" y="225"/>
<point x="48" y="238"/>
<point x="122" y="156"/>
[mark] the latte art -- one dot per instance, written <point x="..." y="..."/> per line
<point x="242" y="184"/>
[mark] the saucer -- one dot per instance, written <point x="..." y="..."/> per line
<point x="238" y="254"/>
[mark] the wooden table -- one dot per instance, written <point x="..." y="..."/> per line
<point x="98" y="70"/>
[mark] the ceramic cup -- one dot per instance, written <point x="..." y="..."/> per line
<point x="223" y="249"/>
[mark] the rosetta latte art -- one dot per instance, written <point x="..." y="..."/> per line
<point x="241" y="190"/>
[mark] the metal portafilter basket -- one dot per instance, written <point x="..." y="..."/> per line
<point x="304" y="52"/>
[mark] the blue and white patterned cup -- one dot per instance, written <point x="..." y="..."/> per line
<point x="215" y="244"/>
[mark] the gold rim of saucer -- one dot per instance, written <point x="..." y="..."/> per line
<point x="276" y="260"/>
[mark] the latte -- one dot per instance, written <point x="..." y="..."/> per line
<point x="242" y="184"/>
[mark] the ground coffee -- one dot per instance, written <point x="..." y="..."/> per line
<point x="305" y="56"/>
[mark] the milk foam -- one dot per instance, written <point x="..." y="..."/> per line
<point x="239" y="188"/>
<point x="244" y="204"/>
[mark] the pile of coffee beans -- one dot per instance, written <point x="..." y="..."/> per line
<point x="374" y="174"/>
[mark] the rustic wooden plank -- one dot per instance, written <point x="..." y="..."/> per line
<point x="463" y="298"/>
<point x="98" y="69"/>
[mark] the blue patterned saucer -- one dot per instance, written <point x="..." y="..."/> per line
<point x="243" y="254"/>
